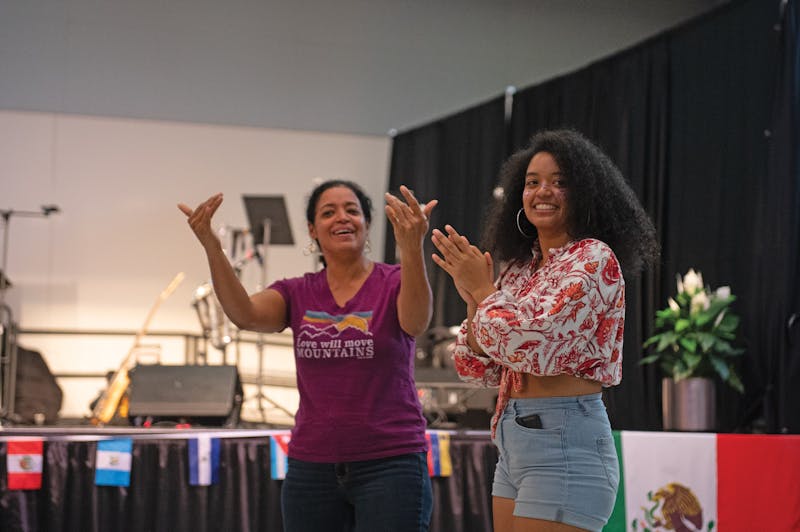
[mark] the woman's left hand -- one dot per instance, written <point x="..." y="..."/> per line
<point x="409" y="219"/>
<point x="472" y="270"/>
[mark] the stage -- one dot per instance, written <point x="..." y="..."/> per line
<point x="738" y="482"/>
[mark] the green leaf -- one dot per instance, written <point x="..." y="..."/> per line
<point x="682" y="324"/>
<point x="707" y="341"/>
<point x="679" y="370"/>
<point x="692" y="361"/>
<point x="667" y="339"/>
<point x="690" y="344"/>
<point x="729" y="323"/>
<point x="721" y="367"/>
<point x="650" y="359"/>
<point x="735" y="381"/>
<point x="653" y="339"/>
<point x="710" y="314"/>
<point x="723" y="347"/>
<point x="666" y="313"/>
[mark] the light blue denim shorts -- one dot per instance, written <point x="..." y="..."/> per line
<point x="567" y="471"/>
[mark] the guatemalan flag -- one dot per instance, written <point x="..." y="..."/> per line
<point x="24" y="464"/>
<point x="279" y="455"/>
<point x="113" y="462"/>
<point x="203" y="460"/>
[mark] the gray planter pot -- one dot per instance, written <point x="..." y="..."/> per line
<point x="689" y="404"/>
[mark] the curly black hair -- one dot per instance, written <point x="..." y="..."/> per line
<point x="601" y="203"/>
<point x="363" y="199"/>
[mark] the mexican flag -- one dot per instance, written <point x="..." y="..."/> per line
<point x="685" y="482"/>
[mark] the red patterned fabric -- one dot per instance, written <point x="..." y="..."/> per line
<point x="566" y="317"/>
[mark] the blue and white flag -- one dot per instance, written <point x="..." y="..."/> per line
<point x="113" y="462"/>
<point x="279" y="455"/>
<point x="203" y="460"/>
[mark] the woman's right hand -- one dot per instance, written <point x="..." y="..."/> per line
<point x="200" y="221"/>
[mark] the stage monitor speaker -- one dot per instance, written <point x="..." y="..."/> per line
<point x="199" y="395"/>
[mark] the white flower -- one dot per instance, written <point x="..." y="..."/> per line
<point x="692" y="282"/>
<point x="723" y="292"/>
<point x="700" y="301"/>
<point x="673" y="305"/>
<point x="680" y="283"/>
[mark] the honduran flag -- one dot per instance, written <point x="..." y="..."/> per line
<point x="439" y="464"/>
<point x="203" y="460"/>
<point x="279" y="455"/>
<point x="113" y="462"/>
<point x="24" y="464"/>
<point x="711" y="482"/>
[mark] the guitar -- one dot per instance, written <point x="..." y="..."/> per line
<point x="106" y="406"/>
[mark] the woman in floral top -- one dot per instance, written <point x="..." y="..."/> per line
<point x="549" y="331"/>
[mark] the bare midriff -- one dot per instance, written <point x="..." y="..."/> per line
<point x="555" y="386"/>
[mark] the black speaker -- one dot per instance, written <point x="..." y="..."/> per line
<point x="199" y="395"/>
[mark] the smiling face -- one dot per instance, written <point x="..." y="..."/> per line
<point x="544" y="199"/>
<point x="339" y="223"/>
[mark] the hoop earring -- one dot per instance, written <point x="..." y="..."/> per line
<point x="367" y="247"/>
<point x="519" y="225"/>
<point x="310" y="248"/>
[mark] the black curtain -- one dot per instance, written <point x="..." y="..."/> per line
<point x="722" y="214"/>
<point x="781" y="206"/>
<point x="622" y="104"/>
<point x="454" y="160"/>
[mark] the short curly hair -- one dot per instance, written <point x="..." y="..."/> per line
<point x="601" y="203"/>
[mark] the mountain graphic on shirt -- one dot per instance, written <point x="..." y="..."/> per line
<point x="335" y="324"/>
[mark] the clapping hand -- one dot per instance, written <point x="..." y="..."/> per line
<point x="472" y="270"/>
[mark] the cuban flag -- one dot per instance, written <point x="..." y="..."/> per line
<point x="279" y="455"/>
<point x="24" y="464"/>
<point x="439" y="463"/>
<point x="113" y="462"/>
<point x="203" y="460"/>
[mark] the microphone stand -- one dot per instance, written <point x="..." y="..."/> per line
<point x="8" y="328"/>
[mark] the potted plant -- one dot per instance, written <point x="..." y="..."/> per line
<point x="694" y="344"/>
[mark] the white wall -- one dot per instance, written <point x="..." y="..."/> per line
<point x="120" y="239"/>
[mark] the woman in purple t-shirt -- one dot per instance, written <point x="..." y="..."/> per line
<point x="357" y="454"/>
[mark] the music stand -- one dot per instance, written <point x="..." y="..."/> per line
<point x="269" y="224"/>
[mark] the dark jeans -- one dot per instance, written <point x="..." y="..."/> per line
<point x="385" y="495"/>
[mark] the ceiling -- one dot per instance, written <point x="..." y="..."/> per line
<point x="346" y="66"/>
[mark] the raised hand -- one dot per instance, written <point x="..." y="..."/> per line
<point x="409" y="219"/>
<point x="472" y="270"/>
<point x="200" y="220"/>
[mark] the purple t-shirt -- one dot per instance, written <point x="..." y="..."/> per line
<point x="355" y="371"/>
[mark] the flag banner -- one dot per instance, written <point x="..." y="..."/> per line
<point x="670" y="481"/>
<point x="24" y="464"/>
<point x="616" y="523"/>
<point x="439" y="464"/>
<point x="759" y="482"/>
<point x="203" y="460"/>
<point x="279" y="455"/>
<point x="113" y="462"/>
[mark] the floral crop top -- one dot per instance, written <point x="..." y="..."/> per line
<point x="567" y="317"/>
